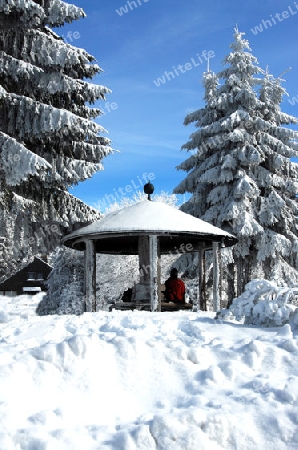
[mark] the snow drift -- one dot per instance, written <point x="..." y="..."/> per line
<point x="144" y="381"/>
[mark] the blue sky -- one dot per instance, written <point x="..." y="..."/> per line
<point x="137" y="42"/>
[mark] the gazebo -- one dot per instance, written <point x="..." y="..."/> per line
<point x="149" y="229"/>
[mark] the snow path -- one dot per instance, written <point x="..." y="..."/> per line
<point x="142" y="381"/>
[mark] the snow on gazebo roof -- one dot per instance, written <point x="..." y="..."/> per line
<point x="117" y="232"/>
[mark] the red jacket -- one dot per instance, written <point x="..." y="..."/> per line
<point x="175" y="290"/>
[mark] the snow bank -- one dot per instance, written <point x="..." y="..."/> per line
<point x="263" y="303"/>
<point x="144" y="381"/>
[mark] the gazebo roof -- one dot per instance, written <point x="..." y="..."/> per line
<point x="118" y="232"/>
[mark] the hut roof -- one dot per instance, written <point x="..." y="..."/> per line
<point x="118" y="231"/>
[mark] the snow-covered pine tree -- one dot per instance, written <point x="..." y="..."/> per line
<point x="48" y="138"/>
<point x="219" y="164"/>
<point x="203" y="118"/>
<point x="276" y="177"/>
<point x="224" y="173"/>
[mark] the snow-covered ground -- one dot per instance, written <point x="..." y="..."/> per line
<point x="144" y="381"/>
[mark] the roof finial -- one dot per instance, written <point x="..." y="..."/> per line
<point x="149" y="189"/>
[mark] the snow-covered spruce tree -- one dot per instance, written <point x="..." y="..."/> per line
<point x="229" y="174"/>
<point x="48" y="138"/>
<point x="204" y="118"/>
<point x="276" y="177"/>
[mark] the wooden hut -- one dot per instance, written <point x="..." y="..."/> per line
<point x="30" y="280"/>
<point x="149" y="229"/>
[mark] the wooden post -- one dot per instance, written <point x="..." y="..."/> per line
<point x="202" y="263"/>
<point x="220" y="246"/>
<point x="158" y="275"/>
<point x="149" y="262"/>
<point x="153" y="252"/>
<point x="144" y="259"/>
<point x="90" y="276"/>
<point x="216" y="297"/>
<point x="199" y="297"/>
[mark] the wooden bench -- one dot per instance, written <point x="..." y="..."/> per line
<point x="175" y="306"/>
<point x="145" y="306"/>
<point x="126" y="306"/>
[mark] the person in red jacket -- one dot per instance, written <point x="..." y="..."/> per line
<point x="175" y="288"/>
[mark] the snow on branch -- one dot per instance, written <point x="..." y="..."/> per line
<point x="273" y="245"/>
<point x="218" y="194"/>
<point x="245" y="187"/>
<point x="84" y="150"/>
<point x="193" y="117"/>
<point x="30" y="11"/>
<point x="46" y="49"/>
<point x="72" y="171"/>
<point x="58" y="83"/>
<point x="238" y="135"/>
<point x="265" y="178"/>
<point x="286" y="149"/>
<point x="50" y="83"/>
<point x="16" y="68"/>
<point x="71" y="209"/>
<point x="55" y="14"/>
<point x="249" y="155"/>
<point x="241" y="215"/>
<point x="188" y="164"/>
<point x="240" y="116"/>
<point x="206" y="162"/>
<point x="187" y="184"/>
<point x="18" y="162"/>
<point x="53" y="51"/>
<point x="213" y="174"/>
<point x="60" y="12"/>
<point x="42" y="120"/>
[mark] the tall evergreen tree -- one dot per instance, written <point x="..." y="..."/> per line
<point x="232" y="170"/>
<point x="277" y="206"/>
<point x="48" y="138"/>
<point x="203" y="118"/>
